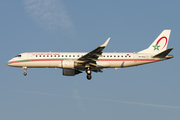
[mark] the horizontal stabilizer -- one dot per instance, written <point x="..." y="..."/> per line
<point x="163" y="54"/>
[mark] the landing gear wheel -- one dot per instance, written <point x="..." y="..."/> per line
<point x="88" y="71"/>
<point x="25" y="73"/>
<point x="89" y="77"/>
<point x="25" y="69"/>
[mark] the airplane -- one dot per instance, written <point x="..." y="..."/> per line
<point x="95" y="61"/>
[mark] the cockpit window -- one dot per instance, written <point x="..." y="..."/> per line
<point x="18" y="56"/>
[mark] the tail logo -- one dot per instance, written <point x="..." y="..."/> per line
<point x="157" y="46"/>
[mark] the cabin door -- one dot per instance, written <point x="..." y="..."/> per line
<point x="135" y="57"/>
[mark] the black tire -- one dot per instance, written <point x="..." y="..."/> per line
<point x="25" y="73"/>
<point x="89" y="77"/>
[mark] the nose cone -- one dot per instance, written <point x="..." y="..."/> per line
<point x="9" y="63"/>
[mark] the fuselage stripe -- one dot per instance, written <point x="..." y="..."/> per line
<point x="20" y="61"/>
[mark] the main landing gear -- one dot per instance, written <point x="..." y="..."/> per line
<point x="25" y="69"/>
<point x="88" y="71"/>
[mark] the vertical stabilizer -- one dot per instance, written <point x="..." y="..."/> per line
<point x="160" y="44"/>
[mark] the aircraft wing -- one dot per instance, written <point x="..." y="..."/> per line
<point x="93" y="56"/>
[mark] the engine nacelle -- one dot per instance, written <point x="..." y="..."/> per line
<point x="68" y="64"/>
<point x="69" y="72"/>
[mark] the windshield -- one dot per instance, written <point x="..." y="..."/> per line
<point x="18" y="56"/>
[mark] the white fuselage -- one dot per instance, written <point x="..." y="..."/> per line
<point x="107" y="60"/>
<point x="95" y="60"/>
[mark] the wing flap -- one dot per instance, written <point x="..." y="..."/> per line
<point x="93" y="64"/>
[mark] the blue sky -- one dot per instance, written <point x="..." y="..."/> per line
<point x="144" y="92"/>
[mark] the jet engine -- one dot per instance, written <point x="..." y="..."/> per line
<point x="68" y="64"/>
<point x="69" y="72"/>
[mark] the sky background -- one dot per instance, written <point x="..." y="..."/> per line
<point x="144" y="92"/>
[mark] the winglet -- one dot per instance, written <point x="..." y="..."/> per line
<point x="104" y="45"/>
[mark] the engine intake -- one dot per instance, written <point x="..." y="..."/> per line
<point x="68" y="64"/>
<point x="69" y="72"/>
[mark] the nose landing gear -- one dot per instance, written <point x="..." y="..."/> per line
<point x="25" y="73"/>
<point x="25" y="69"/>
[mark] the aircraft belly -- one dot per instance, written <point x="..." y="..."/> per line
<point x="43" y="63"/>
<point x="115" y="64"/>
<point x="122" y="64"/>
<point x="54" y="63"/>
<point x="37" y="64"/>
<point x="130" y="63"/>
<point x="102" y="64"/>
<point x="135" y="63"/>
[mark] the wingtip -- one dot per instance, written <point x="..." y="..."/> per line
<point x="105" y="44"/>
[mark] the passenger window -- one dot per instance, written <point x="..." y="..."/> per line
<point x="54" y="55"/>
<point x="43" y="55"/>
<point x="114" y="56"/>
<point x="47" y="55"/>
<point x="69" y="55"/>
<point x="39" y="55"/>
<point x="62" y="55"/>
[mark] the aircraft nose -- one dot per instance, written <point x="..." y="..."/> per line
<point x="9" y="62"/>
